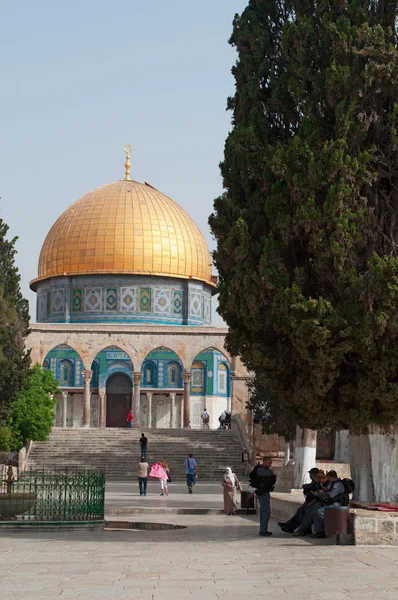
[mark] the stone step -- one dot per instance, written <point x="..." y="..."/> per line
<point x="117" y="450"/>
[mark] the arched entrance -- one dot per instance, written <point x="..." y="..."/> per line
<point x="118" y="400"/>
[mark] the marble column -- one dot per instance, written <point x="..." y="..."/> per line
<point x="186" y="376"/>
<point x="172" y="410"/>
<point x="64" y="407"/>
<point x="102" y="394"/>
<point x="86" y="398"/>
<point x="182" y="413"/>
<point x="51" y="396"/>
<point x="137" y="377"/>
<point x="149" y="398"/>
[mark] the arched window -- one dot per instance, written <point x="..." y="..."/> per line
<point x="173" y="375"/>
<point x="222" y="379"/>
<point x="149" y="374"/>
<point x="65" y="373"/>
<point x="198" y="377"/>
<point x="94" y="383"/>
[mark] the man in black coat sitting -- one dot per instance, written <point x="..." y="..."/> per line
<point x="308" y="489"/>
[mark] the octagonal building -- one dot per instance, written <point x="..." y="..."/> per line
<point x="124" y="291"/>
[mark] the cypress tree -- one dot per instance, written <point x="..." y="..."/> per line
<point x="14" y="327"/>
<point x="307" y="228"/>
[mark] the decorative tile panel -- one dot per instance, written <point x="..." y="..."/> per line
<point x="48" y="303"/>
<point x="92" y="299"/>
<point x="161" y="301"/>
<point x="177" y="302"/>
<point x="53" y="366"/>
<point x="128" y="299"/>
<point x="77" y="300"/>
<point x="206" y="309"/>
<point x="78" y="370"/>
<point x="58" y="302"/>
<point x="160" y="373"/>
<point x="145" y="300"/>
<point x="41" y="306"/>
<point x="195" y="304"/>
<point x="111" y="299"/>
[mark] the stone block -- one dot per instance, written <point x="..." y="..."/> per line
<point x="366" y="525"/>
<point x="386" y="527"/>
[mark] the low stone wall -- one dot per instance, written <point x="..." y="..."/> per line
<point x="374" y="527"/>
<point x="367" y="526"/>
<point x="267" y="445"/>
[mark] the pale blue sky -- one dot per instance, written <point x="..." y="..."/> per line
<point x="82" y="79"/>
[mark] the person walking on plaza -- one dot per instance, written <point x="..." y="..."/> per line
<point x="130" y="419"/>
<point x="142" y="471"/>
<point x="245" y="460"/>
<point x="205" y="419"/>
<point x="191" y="470"/>
<point x="143" y="444"/>
<point x="263" y="479"/>
<point x="164" y="480"/>
<point x="231" y="485"/>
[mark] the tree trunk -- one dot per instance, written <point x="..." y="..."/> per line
<point x="374" y="460"/>
<point x="304" y="455"/>
<point x="287" y="452"/>
<point x="342" y="447"/>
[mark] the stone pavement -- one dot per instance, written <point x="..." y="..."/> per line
<point x="123" y="497"/>
<point x="215" y="558"/>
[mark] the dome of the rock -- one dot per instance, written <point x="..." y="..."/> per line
<point x="125" y="252"/>
<point x="125" y="227"/>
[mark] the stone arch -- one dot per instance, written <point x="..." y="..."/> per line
<point x="111" y="360"/>
<point x="143" y="355"/>
<point x="64" y="356"/>
<point x="53" y="347"/>
<point x="197" y="351"/>
<point x="164" y="360"/>
<point x="100" y="347"/>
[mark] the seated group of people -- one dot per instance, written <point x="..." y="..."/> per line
<point x="325" y="489"/>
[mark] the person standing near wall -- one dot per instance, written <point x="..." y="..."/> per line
<point x="205" y="419"/>
<point x="130" y="419"/>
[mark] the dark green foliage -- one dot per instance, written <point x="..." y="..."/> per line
<point x="307" y="228"/>
<point x="14" y="323"/>
<point x="273" y="415"/>
<point x="32" y="414"/>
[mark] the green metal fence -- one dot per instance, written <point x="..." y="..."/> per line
<point x="70" y="495"/>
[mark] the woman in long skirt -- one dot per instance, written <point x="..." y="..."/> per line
<point x="231" y="484"/>
<point x="163" y="480"/>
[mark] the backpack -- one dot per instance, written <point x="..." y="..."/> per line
<point x="262" y="483"/>
<point x="349" y="488"/>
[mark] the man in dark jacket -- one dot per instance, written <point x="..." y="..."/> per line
<point x="263" y="479"/>
<point x="144" y="444"/>
<point x="308" y="489"/>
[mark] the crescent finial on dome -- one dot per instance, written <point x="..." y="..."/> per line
<point x="127" y="165"/>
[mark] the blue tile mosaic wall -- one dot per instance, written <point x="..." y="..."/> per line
<point x="161" y="369"/>
<point x="102" y="298"/>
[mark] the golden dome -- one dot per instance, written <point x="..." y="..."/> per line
<point x="125" y="227"/>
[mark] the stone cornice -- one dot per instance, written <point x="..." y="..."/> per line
<point x="132" y="329"/>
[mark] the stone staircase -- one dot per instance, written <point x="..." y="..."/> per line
<point x="118" y="451"/>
